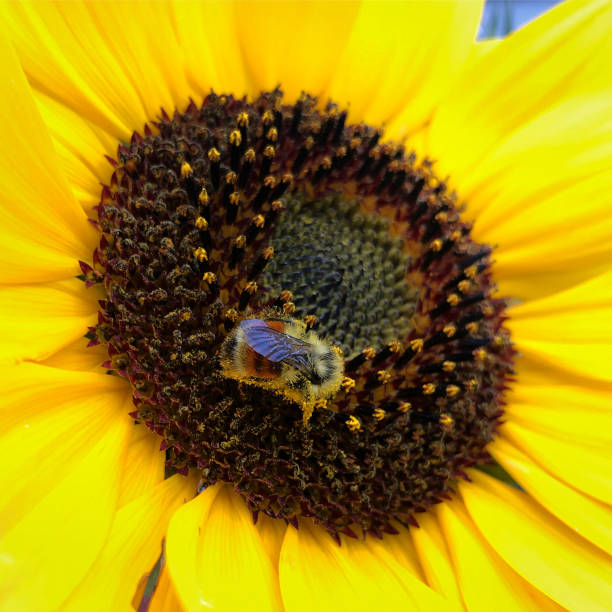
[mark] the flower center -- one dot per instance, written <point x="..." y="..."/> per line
<point x="242" y="246"/>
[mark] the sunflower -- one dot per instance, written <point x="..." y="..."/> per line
<point x="436" y="211"/>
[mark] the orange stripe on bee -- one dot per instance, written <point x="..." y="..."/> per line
<point x="258" y="366"/>
<point x="277" y="325"/>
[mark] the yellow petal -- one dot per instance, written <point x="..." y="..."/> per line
<point x="316" y="573"/>
<point x="580" y="413"/>
<point x="303" y="58"/>
<point x="44" y="231"/>
<point x="563" y="53"/>
<point x="586" y="467"/>
<point x="486" y="582"/>
<point x="272" y="532"/>
<point x="132" y="547"/>
<point x="68" y="58"/>
<point x="62" y="452"/>
<point x="570" y="330"/>
<point x="211" y="46"/>
<point x="540" y="548"/>
<point x="588" y="517"/>
<point x="165" y="597"/>
<point x="581" y="314"/>
<point x="216" y="557"/>
<point x="78" y="356"/>
<point x="81" y="147"/>
<point x="142" y="40"/>
<point x="144" y="462"/>
<point x="401" y="59"/>
<point x="37" y="320"/>
<point x="435" y="560"/>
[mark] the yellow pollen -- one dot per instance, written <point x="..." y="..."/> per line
<point x="353" y="423"/>
<point x="209" y="277"/>
<point x="429" y="388"/>
<point x="249" y="155"/>
<point x="321" y="404"/>
<point x="470" y="272"/>
<point x="267" y="117"/>
<point x="326" y="163"/>
<point x="230" y="177"/>
<point x="369" y="352"/>
<point x="277" y="205"/>
<point x="270" y="181"/>
<point x="338" y="350"/>
<point x="201" y="223"/>
<point x="471" y="385"/>
<point x="269" y="151"/>
<point x="240" y="241"/>
<point x="498" y="340"/>
<point x="383" y="376"/>
<point x="395" y="346"/>
<point x="251" y="287"/>
<point x="453" y="299"/>
<point x="235" y="138"/>
<point x="355" y="143"/>
<point x="310" y="321"/>
<point x="231" y="314"/>
<point x="341" y="151"/>
<point x="185" y="316"/>
<point x="288" y="178"/>
<point x="268" y="252"/>
<point x="464" y="286"/>
<point x="446" y="421"/>
<point x="286" y="296"/>
<point x="417" y="345"/>
<point x="288" y="308"/>
<point x="452" y="390"/>
<point x="203" y="197"/>
<point x="472" y="327"/>
<point x="214" y="155"/>
<point x="436" y="245"/>
<point x="234" y="198"/>
<point x="455" y="236"/>
<point x="200" y="254"/>
<point x="347" y="383"/>
<point x="448" y="366"/>
<point x="186" y="170"/>
<point x="379" y="414"/>
<point x="487" y="310"/>
<point x="243" y="119"/>
<point x="449" y="330"/>
<point x="480" y="354"/>
<point x="259" y="220"/>
<point x="309" y="142"/>
<point x="441" y="217"/>
<point x="272" y="134"/>
<point x="405" y="406"/>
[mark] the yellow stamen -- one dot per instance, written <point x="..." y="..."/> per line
<point x="453" y="299"/>
<point x="383" y="376"/>
<point x="379" y="414"/>
<point x="186" y="170"/>
<point x="214" y="155"/>
<point x="369" y="352"/>
<point x="429" y="388"/>
<point x="448" y="366"/>
<point x="209" y="277"/>
<point x="200" y="254"/>
<point x="449" y="330"/>
<point x="452" y="390"/>
<point x="235" y="138"/>
<point x="203" y="197"/>
<point x="201" y="223"/>
<point x="353" y="423"/>
<point x="417" y="345"/>
<point x="347" y="383"/>
<point x="405" y="406"/>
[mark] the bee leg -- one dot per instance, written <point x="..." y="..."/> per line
<point x="307" y="405"/>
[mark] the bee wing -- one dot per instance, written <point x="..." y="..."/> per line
<point x="275" y="345"/>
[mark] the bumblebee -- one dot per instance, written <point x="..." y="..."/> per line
<point x="279" y="353"/>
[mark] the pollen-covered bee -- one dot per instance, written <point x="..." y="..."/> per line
<point x="278" y="353"/>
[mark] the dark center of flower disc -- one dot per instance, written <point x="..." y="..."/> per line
<point x="231" y="209"/>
